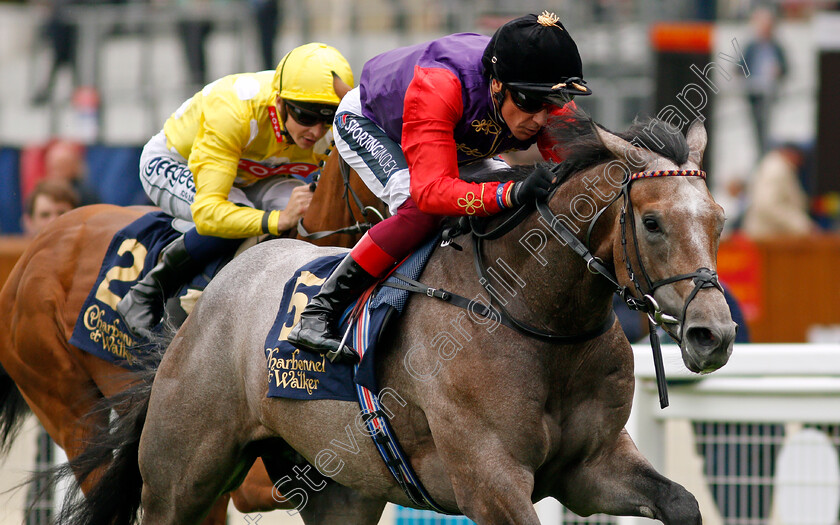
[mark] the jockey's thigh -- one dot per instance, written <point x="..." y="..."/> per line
<point x="166" y="178"/>
<point x="366" y="148"/>
<point x="268" y="194"/>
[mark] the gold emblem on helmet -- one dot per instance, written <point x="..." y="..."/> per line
<point x="548" y="19"/>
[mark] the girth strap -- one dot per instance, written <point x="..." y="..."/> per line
<point x="376" y="420"/>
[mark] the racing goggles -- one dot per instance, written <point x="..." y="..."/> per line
<point x="308" y="117"/>
<point x="532" y="103"/>
<point x="532" y="98"/>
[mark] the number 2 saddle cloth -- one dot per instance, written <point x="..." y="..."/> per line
<point x="133" y="251"/>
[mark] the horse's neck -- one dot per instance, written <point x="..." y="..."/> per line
<point x="333" y="207"/>
<point x="560" y="294"/>
<point x="328" y="209"/>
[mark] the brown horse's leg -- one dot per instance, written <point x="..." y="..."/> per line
<point x="620" y="481"/>
<point x="257" y="492"/>
<point x="60" y="420"/>
<point x="58" y="390"/>
<point x="218" y="514"/>
<point x="338" y="504"/>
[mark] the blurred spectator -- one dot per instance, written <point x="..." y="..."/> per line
<point x="193" y="30"/>
<point x="767" y="66"/>
<point x="57" y="159"/>
<point x="51" y="198"/>
<point x="268" y="17"/>
<point x="733" y="199"/>
<point x="776" y="202"/>
<point x="65" y="160"/>
<point x="61" y="34"/>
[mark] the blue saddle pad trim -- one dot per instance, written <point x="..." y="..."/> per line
<point x="296" y="374"/>
<point x="100" y="330"/>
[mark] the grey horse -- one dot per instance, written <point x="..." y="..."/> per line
<point x="491" y="419"/>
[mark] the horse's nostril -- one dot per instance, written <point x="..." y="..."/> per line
<point x="703" y="337"/>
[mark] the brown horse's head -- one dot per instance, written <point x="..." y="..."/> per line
<point x="671" y="227"/>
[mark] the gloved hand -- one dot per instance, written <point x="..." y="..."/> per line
<point x="536" y="187"/>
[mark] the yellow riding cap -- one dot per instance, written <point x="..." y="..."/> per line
<point x="305" y="74"/>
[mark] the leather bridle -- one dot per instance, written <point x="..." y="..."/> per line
<point x="702" y="277"/>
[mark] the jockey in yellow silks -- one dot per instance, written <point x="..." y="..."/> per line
<point x="235" y="160"/>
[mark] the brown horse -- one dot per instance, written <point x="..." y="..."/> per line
<point x="491" y="416"/>
<point x="43" y="297"/>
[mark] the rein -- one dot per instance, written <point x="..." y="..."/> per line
<point x="349" y="193"/>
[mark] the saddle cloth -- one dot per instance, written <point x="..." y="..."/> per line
<point x="297" y="374"/>
<point x="133" y="251"/>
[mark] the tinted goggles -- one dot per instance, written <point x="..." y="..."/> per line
<point x="309" y="118"/>
<point x="534" y="104"/>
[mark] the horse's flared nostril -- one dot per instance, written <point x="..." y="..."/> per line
<point x="702" y="337"/>
<point x="710" y="345"/>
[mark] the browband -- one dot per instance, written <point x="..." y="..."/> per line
<point x="668" y="173"/>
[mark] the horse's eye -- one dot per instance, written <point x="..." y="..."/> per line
<point x="650" y="224"/>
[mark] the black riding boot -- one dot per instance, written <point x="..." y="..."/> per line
<point x="142" y="307"/>
<point x="316" y="330"/>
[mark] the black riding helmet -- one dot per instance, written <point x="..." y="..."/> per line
<point x="534" y="55"/>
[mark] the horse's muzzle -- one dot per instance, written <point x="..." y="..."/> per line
<point x="707" y="346"/>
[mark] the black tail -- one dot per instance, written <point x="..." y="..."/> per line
<point x="114" y="499"/>
<point x="13" y="411"/>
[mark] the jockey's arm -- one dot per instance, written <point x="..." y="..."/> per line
<point x="213" y="161"/>
<point x="433" y="106"/>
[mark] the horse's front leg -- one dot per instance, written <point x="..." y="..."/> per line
<point x="494" y="490"/>
<point x="620" y="481"/>
<point x="491" y="485"/>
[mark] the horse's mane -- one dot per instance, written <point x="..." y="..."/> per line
<point x="580" y="147"/>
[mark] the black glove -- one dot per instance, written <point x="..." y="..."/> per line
<point x="536" y="187"/>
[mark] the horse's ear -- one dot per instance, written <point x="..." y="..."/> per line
<point x="341" y="87"/>
<point x="634" y="156"/>
<point x="696" y="138"/>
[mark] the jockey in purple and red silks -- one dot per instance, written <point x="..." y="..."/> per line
<point x="424" y="115"/>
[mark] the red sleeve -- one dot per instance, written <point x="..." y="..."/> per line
<point x="550" y="149"/>
<point x="433" y="106"/>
